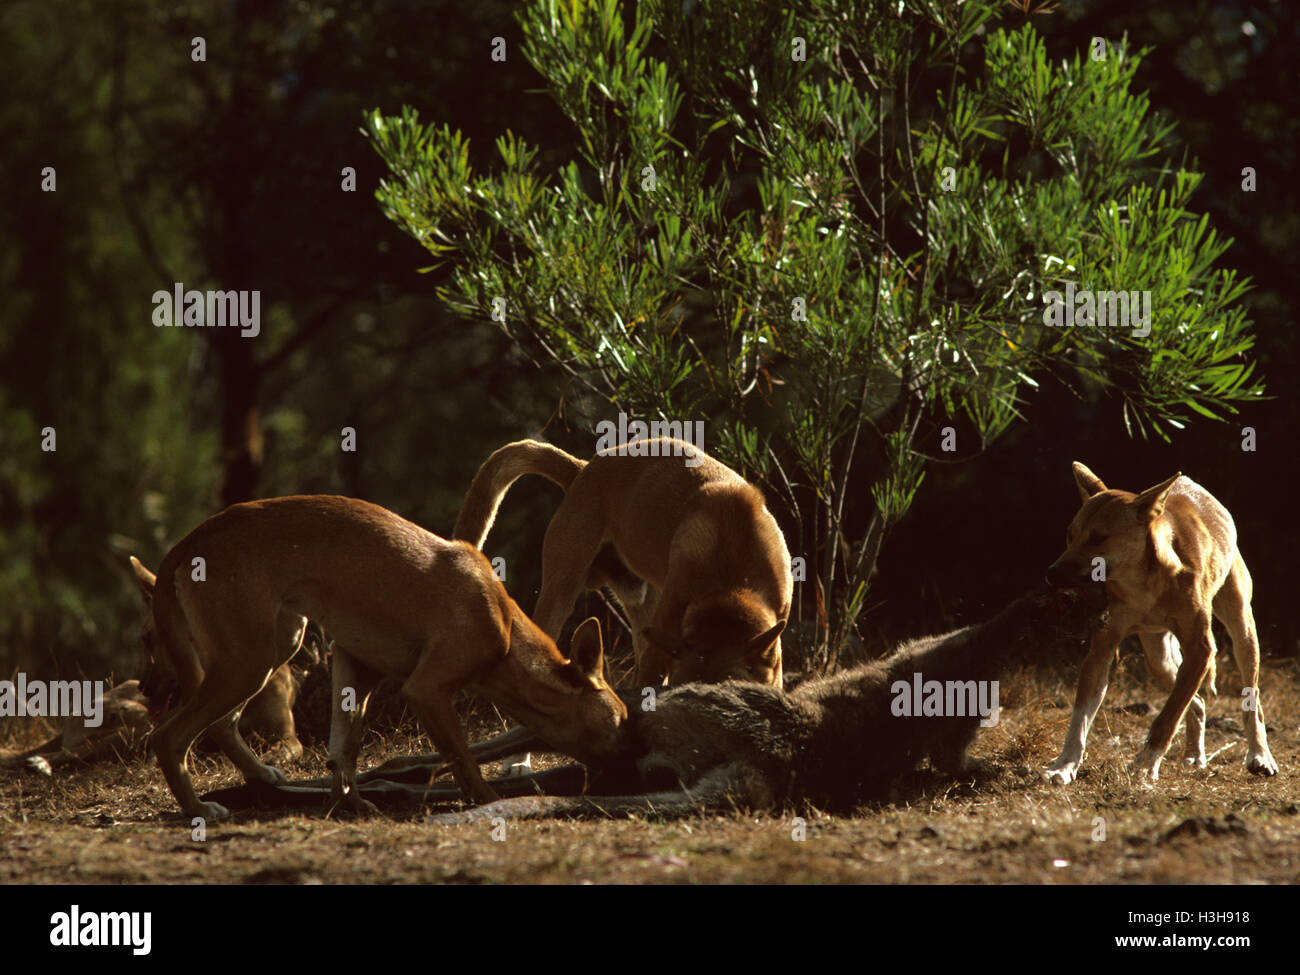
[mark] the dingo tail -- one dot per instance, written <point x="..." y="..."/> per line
<point x="502" y="469"/>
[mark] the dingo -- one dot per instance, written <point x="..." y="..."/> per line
<point x="1170" y="561"/>
<point x="635" y="517"/>
<point x="232" y="606"/>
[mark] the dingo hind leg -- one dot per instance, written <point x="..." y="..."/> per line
<point x="256" y="670"/>
<point x="215" y="704"/>
<point x="573" y="541"/>
<point x="1232" y="607"/>
<point x="171" y="743"/>
<point x="225" y="687"/>
<point x="270" y="711"/>
<point x="352" y="684"/>
<point x="172" y="738"/>
<point x="286" y="638"/>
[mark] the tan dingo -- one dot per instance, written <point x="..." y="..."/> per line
<point x="232" y="604"/>
<point x="1171" y="561"/>
<point x="632" y="519"/>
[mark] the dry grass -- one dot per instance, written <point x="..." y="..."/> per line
<point x="116" y="822"/>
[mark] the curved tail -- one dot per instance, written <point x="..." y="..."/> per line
<point x="502" y="469"/>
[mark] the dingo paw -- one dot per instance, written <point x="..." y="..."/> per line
<point x="358" y="806"/>
<point x="1261" y="763"/>
<point x="1147" y="767"/>
<point x="287" y="751"/>
<point x="517" y="765"/>
<point x="352" y="804"/>
<point x="210" y="811"/>
<point x="1061" y="772"/>
<point x="272" y="775"/>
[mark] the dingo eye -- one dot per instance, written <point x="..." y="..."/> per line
<point x="1096" y="538"/>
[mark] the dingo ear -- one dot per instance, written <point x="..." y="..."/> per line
<point x="1151" y="502"/>
<point x="764" y="645"/>
<point x="669" y="643"/>
<point x="587" y="651"/>
<point x="1088" y="482"/>
<point x="145" y="579"/>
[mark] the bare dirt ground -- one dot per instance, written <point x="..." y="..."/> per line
<point x="115" y="822"/>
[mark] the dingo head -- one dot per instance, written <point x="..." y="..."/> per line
<point x="591" y="729"/>
<point x="729" y="637"/>
<point x="1112" y="526"/>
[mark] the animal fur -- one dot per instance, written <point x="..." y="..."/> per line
<point x="833" y="742"/>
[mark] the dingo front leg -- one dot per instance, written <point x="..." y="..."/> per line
<point x="1094" y="677"/>
<point x="1197" y="656"/>
<point x="1164" y="658"/>
<point x="433" y="706"/>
